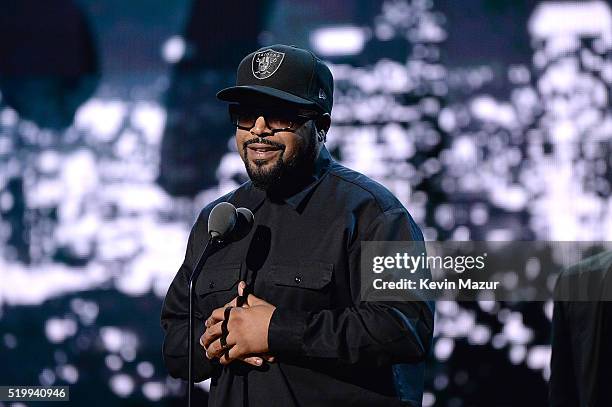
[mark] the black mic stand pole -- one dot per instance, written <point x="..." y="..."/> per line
<point x="211" y="244"/>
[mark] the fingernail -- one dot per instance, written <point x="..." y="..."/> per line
<point x="258" y="361"/>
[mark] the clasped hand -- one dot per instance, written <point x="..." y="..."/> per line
<point x="246" y="328"/>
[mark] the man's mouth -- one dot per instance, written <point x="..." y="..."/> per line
<point x="260" y="151"/>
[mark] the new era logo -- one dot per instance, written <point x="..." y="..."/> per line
<point x="322" y="94"/>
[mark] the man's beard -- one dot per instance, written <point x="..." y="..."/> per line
<point x="282" y="170"/>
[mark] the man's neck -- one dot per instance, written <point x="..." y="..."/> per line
<point x="295" y="179"/>
<point x="292" y="182"/>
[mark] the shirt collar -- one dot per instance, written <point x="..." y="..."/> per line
<point x="321" y="167"/>
<point x="247" y="196"/>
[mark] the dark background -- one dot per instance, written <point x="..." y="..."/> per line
<point x="489" y="119"/>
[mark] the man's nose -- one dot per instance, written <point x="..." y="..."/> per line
<point x="260" y="128"/>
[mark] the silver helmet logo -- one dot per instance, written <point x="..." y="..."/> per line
<point x="266" y="63"/>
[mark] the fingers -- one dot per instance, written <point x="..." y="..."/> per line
<point x="232" y="303"/>
<point x="235" y="353"/>
<point x="216" y="350"/>
<point x="232" y="354"/>
<point x="215" y="325"/>
<point x="268" y="358"/>
<point x="222" y="321"/>
<point x="217" y="334"/>
<point x="217" y="316"/>
<point x="243" y="293"/>
<point x="253" y="360"/>
<point x="211" y="334"/>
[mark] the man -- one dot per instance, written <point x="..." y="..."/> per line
<point x="581" y="361"/>
<point x="304" y="337"/>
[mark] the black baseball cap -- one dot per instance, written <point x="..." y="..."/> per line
<point x="282" y="73"/>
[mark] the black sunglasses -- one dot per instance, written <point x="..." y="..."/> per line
<point x="277" y="119"/>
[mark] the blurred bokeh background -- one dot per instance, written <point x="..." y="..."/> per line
<point x="489" y="119"/>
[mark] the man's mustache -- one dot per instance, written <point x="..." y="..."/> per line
<point x="261" y="140"/>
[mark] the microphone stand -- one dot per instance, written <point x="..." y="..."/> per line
<point x="210" y="246"/>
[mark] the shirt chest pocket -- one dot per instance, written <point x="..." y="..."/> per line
<point x="217" y="285"/>
<point x="303" y="285"/>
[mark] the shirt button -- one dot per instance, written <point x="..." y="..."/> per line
<point x="211" y="285"/>
<point x="298" y="279"/>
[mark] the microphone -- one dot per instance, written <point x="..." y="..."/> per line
<point x="222" y="220"/>
<point x="225" y="224"/>
<point x="244" y="223"/>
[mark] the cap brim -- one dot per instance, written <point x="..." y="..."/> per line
<point x="256" y="94"/>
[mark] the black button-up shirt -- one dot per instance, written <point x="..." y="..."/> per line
<point x="303" y="256"/>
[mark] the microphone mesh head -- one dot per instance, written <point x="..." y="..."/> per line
<point x="244" y="223"/>
<point x="246" y="215"/>
<point x="221" y="220"/>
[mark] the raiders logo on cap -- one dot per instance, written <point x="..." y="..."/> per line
<point x="266" y="62"/>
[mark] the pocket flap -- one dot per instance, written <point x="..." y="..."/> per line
<point x="218" y="277"/>
<point x="313" y="275"/>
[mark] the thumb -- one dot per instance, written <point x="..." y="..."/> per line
<point x="241" y="301"/>
<point x="241" y="287"/>
<point x="251" y="299"/>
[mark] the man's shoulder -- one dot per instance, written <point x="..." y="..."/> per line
<point x="589" y="279"/>
<point x="371" y="202"/>
<point x="363" y="188"/>
<point x="600" y="263"/>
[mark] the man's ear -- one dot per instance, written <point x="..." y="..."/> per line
<point x="323" y="122"/>
<point x="322" y="126"/>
